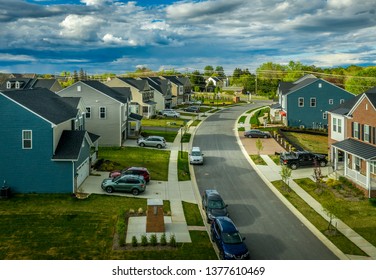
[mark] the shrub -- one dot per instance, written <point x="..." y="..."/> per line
<point x="140" y="211"/>
<point x="144" y="240"/>
<point x="163" y="240"/>
<point x="134" y="241"/>
<point x="333" y="184"/>
<point x="372" y="201"/>
<point x="153" y="239"/>
<point x="173" y="241"/>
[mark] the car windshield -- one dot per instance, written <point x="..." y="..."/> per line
<point x="231" y="237"/>
<point x="216" y="204"/>
<point x="196" y="154"/>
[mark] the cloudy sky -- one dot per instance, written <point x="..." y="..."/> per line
<point x="51" y="36"/>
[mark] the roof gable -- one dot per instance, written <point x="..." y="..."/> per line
<point x="70" y="144"/>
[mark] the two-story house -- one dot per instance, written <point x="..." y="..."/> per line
<point x="181" y="87"/>
<point x="305" y="102"/>
<point x="107" y="110"/>
<point x="352" y="140"/>
<point x="162" y="92"/>
<point x="45" y="147"/>
<point x="142" y="100"/>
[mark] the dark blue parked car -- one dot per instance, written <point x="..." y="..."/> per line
<point x="228" y="239"/>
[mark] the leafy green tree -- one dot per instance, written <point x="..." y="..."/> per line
<point x="362" y="81"/>
<point x="208" y="71"/>
<point x="259" y="146"/>
<point x="197" y="80"/>
<point x="220" y="72"/>
<point x="75" y="76"/>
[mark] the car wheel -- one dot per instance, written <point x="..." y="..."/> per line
<point x="142" y="144"/>
<point x="266" y="136"/>
<point x="294" y="166"/>
<point x="135" y="191"/>
<point x="322" y="163"/>
<point x="159" y="146"/>
<point x="109" y="190"/>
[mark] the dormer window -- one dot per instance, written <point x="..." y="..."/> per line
<point x="17" y="85"/>
<point x="9" y="85"/>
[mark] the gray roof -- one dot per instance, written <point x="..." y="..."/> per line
<point x="70" y="145"/>
<point x="174" y="79"/>
<point x="345" y="107"/>
<point x="135" y="116"/>
<point x="46" y="103"/>
<point x="121" y="94"/>
<point x="29" y="83"/>
<point x="371" y="94"/>
<point x="139" y="84"/>
<point x="355" y="147"/>
<point x="158" y="84"/>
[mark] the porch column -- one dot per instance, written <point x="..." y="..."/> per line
<point x="345" y="163"/>
<point x="368" y="177"/>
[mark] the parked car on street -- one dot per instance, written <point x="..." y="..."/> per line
<point x="302" y="158"/>
<point x="152" y="141"/>
<point x="141" y="171"/>
<point x="127" y="183"/>
<point x="230" y="243"/>
<point x="256" y="133"/>
<point x="170" y="113"/>
<point x="194" y="109"/>
<point x="196" y="157"/>
<point x="213" y="205"/>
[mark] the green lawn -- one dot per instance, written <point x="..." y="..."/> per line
<point x="339" y="240"/>
<point x="43" y="227"/>
<point x="310" y="142"/>
<point x="156" y="161"/>
<point x="360" y="215"/>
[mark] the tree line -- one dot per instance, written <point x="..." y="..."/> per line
<point x="264" y="81"/>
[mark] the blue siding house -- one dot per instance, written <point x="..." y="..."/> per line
<point x="44" y="145"/>
<point x="305" y="102"/>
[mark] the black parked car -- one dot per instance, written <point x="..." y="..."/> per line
<point x="255" y="133"/>
<point x="213" y="205"/>
<point x="302" y="158"/>
<point x="194" y="109"/>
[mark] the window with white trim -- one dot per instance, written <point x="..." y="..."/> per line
<point x="27" y="139"/>
<point x="334" y="124"/>
<point x="366" y="133"/>
<point x="88" y="112"/>
<point x="356" y="130"/>
<point x="339" y="126"/>
<point x="102" y="112"/>
<point x="357" y="163"/>
<point x="373" y="167"/>
<point x="313" y="102"/>
<point x="9" y="85"/>
<point x="324" y="115"/>
<point x="331" y="101"/>
<point x="301" y="101"/>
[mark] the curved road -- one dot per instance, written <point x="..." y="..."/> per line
<point x="272" y="231"/>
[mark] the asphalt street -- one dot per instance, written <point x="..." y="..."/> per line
<point x="272" y="231"/>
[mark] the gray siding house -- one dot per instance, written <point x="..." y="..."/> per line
<point x="142" y="100"/>
<point x="106" y="110"/>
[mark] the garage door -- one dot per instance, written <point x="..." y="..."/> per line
<point x="83" y="172"/>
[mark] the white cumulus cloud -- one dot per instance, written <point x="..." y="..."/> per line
<point x="80" y="27"/>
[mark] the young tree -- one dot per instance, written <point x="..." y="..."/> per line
<point x="259" y="146"/>
<point x="286" y="175"/>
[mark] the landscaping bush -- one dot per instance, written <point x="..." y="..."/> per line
<point x="144" y="240"/>
<point x="153" y="239"/>
<point x="134" y="241"/>
<point x="173" y="241"/>
<point x="163" y="240"/>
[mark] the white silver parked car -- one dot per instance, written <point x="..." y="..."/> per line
<point x="152" y="141"/>
<point x="170" y="113"/>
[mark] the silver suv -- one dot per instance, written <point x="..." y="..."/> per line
<point x="152" y="141"/>
<point x="170" y="113"/>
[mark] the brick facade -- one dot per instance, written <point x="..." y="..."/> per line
<point x="155" y="216"/>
